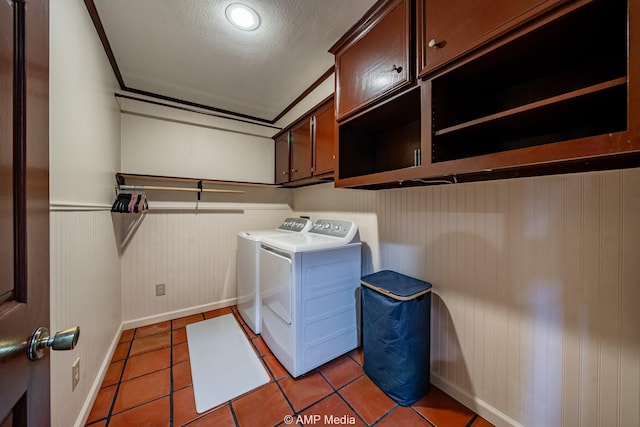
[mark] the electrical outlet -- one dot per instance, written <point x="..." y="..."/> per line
<point x="160" y="289"/>
<point x="75" y="374"/>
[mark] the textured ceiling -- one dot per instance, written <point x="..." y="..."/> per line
<point x="186" y="50"/>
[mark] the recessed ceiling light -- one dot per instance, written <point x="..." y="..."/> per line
<point x="242" y="16"/>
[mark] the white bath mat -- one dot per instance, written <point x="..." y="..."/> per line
<point x="223" y="362"/>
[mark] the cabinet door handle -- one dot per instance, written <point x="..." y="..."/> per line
<point x="294" y="170"/>
<point x="434" y="44"/>
<point x="284" y="172"/>
<point x="396" y="69"/>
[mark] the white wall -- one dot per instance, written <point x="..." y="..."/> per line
<point x="85" y="125"/>
<point x="324" y="90"/>
<point x="165" y="141"/>
<point x="536" y="301"/>
<point x="84" y="155"/>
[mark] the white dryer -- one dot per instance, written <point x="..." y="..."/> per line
<point x="308" y="286"/>
<point x="248" y="265"/>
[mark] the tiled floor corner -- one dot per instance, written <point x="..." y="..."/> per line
<point x="148" y="383"/>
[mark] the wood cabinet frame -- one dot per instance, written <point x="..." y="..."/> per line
<point x="314" y="176"/>
<point x="619" y="148"/>
<point x="362" y="46"/>
<point x="493" y="32"/>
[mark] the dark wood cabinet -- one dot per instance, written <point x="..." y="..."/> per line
<point x="560" y="91"/>
<point x="382" y="144"/>
<point x="282" y="158"/>
<point x="375" y="58"/>
<point x="301" y="149"/>
<point x="377" y="102"/>
<point x="324" y="124"/>
<point x="448" y="29"/>
<point x="305" y="151"/>
<point x="557" y="93"/>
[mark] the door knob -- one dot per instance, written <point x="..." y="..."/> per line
<point x="35" y="345"/>
<point x="62" y="340"/>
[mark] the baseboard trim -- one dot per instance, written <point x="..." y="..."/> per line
<point x="85" y="411"/>
<point x="149" y="320"/>
<point x="479" y="406"/>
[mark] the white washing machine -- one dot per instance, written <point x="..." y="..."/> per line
<point x="308" y="286"/>
<point x="247" y="265"/>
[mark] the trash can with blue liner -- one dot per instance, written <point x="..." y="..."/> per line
<point x="396" y="324"/>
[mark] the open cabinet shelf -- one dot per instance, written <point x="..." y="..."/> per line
<point x="558" y="119"/>
<point x="564" y="80"/>
<point x="530" y="108"/>
<point x="386" y="138"/>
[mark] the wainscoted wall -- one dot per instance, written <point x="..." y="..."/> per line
<point x="84" y="155"/>
<point x="85" y="292"/>
<point x="192" y="253"/>
<point x="536" y="289"/>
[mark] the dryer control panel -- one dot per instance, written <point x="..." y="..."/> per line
<point x="295" y="224"/>
<point x="333" y="227"/>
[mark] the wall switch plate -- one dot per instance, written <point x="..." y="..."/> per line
<point x="75" y="374"/>
<point x="160" y="289"/>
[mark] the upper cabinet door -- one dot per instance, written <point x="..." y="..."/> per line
<point x="325" y="139"/>
<point x="301" y="150"/>
<point x="375" y="60"/>
<point x="449" y="28"/>
<point x="282" y="158"/>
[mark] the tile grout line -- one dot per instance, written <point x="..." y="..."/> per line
<point x="236" y="316"/>
<point x="121" y="380"/>
<point x="171" y="373"/>
<point x="337" y="391"/>
<point x="204" y="414"/>
<point x="319" y="372"/>
<point x="286" y="398"/>
<point x="276" y="381"/>
<point x="472" y="420"/>
<point x="110" y="413"/>
<point x="124" y="365"/>
<point x="228" y="403"/>
<point x="233" y="414"/>
<point x="385" y="415"/>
